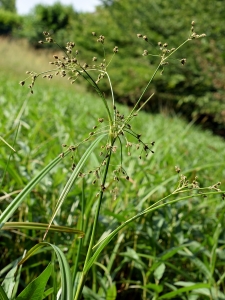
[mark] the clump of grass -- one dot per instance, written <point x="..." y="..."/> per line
<point x="114" y="138"/>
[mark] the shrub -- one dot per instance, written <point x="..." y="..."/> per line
<point x="9" y="22"/>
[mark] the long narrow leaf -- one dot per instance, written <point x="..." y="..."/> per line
<point x="173" y="294"/>
<point x="8" y="212"/>
<point x="74" y="176"/>
<point x="41" y="226"/>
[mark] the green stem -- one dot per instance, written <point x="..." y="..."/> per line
<point x="91" y="243"/>
<point x="181" y="45"/>
<point x="140" y="98"/>
<point x="93" y="83"/>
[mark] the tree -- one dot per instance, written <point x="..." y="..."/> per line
<point x="8" y="5"/>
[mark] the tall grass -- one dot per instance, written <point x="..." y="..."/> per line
<point x="167" y="228"/>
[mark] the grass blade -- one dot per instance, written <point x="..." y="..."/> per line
<point x="8" y="212"/>
<point x="40" y="226"/>
<point x="173" y="294"/>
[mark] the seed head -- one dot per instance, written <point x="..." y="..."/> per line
<point x="183" y="61"/>
<point x="145" y="38"/>
<point x="177" y="169"/>
<point x="145" y="53"/>
<point x="115" y="49"/>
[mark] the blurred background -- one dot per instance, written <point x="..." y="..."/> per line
<point x="195" y="90"/>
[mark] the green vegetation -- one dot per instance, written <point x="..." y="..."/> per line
<point x="9" y="22"/>
<point x="9" y="5"/>
<point x="166" y="181"/>
<point x="195" y="90"/>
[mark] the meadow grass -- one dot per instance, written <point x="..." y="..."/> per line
<point x="176" y="251"/>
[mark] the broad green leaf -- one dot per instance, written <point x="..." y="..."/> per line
<point x="11" y="280"/>
<point x="111" y="292"/>
<point x="88" y="294"/>
<point x="164" y="257"/>
<point x="66" y="278"/>
<point x="36" y="288"/>
<point x="158" y="273"/>
<point x="131" y="254"/>
<point x="155" y="287"/>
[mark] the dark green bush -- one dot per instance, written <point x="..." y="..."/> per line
<point x="9" y="22"/>
<point x="55" y="19"/>
<point x="196" y="91"/>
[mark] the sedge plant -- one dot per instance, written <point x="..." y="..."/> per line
<point x="111" y="137"/>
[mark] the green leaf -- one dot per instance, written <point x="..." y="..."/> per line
<point x="111" y="292"/>
<point x="11" y="208"/>
<point x="3" y="295"/>
<point x="201" y="266"/>
<point x="155" y="287"/>
<point x="10" y="282"/>
<point x="66" y="278"/>
<point x="131" y="254"/>
<point x="36" y="288"/>
<point x="173" y="294"/>
<point x="158" y="273"/>
<point x="89" y="294"/>
<point x="41" y="226"/>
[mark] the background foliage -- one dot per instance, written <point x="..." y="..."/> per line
<point x="196" y="90"/>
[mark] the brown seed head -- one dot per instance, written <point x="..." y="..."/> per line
<point x="145" y="38"/>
